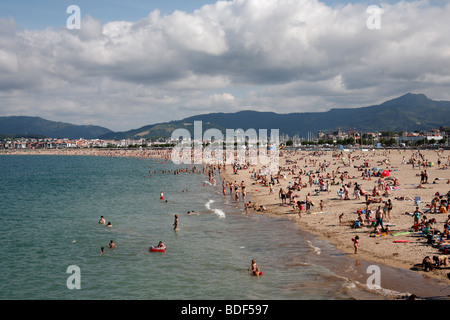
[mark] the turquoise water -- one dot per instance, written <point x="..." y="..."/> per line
<point x="51" y="205"/>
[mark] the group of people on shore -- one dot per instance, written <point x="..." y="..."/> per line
<point x="379" y="200"/>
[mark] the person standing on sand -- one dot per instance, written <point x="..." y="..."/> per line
<point x="300" y="209"/>
<point x="308" y="202"/>
<point x="355" y="243"/>
<point x="389" y="209"/>
<point x="379" y="217"/>
<point x="341" y="219"/>
<point x="282" y="195"/>
<point x="416" y="215"/>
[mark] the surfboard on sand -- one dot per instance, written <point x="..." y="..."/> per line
<point x="402" y="233"/>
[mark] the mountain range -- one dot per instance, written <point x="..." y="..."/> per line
<point x="409" y="112"/>
<point x="23" y="125"/>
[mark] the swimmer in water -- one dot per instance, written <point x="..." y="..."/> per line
<point x="161" y="195"/>
<point x="102" y="220"/>
<point x="111" y="244"/>
<point x="161" y="245"/>
<point x="175" y="223"/>
<point x="254" y="268"/>
<point x="109" y="225"/>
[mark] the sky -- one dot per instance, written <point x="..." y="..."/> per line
<point x="133" y="63"/>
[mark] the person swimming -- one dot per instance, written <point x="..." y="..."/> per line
<point x="111" y="244"/>
<point x="255" y="269"/>
<point x="175" y="223"/>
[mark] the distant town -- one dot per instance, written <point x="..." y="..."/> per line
<point x="433" y="137"/>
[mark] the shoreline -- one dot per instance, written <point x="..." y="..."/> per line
<point x="129" y="153"/>
<point x="326" y="226"/>
<point x="378" y="249"/>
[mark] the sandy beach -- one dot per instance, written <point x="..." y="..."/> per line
<point x="336" y="169"/>
<point x="378" y="247"/>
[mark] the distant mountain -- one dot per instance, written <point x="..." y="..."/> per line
<point x="159" y="130"/>
<point x="409" y="112"/>
<point x="15" y="125"/>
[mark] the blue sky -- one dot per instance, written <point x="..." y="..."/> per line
<point x="135" y="63"/>
<point x="32" y="14"/>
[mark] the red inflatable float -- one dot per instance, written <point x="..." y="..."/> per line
<point x="157" y="249"/>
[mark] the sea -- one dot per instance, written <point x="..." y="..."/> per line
<point x="51" y="239"/>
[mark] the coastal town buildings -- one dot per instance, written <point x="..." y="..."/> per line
<point x="337" y="137"/>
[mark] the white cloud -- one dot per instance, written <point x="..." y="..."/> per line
<point x="293" y="56"/>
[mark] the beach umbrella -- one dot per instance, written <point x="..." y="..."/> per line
<point x="385" y="173"/>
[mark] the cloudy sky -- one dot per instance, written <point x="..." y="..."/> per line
<point x="138" y="62"/>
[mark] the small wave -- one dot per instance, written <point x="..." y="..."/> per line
<point x="219" y="212"/>
<point x="208" y="204"/>
<point x="316" y="249"/>
<point x="351" y="285"/>
<point x="388" y="293"/>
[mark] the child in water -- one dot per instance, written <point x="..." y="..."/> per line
<point x="255" y="269"/>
